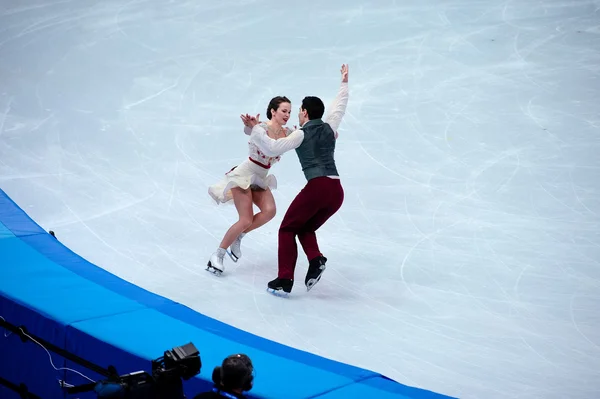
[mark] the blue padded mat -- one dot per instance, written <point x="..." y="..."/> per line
<point x="107" y="320"/>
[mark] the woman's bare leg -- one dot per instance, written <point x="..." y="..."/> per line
<point x="266" y="203"/>
<point x="243" y="203"/>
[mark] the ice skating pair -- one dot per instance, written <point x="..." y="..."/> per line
<point x="215" y="263"/>
<point x="282" y="287"/>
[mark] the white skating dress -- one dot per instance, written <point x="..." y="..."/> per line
<point x="253" y="172"/>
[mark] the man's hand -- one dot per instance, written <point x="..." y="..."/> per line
<point x="344" y="71"/>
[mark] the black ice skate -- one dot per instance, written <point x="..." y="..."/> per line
<point x="280" y="286"/>
<point x="315" y="270"/>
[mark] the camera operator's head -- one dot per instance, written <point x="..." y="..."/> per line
<point x="236" y="374"/>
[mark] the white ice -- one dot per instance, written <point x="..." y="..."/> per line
<point x="466" y="257"/>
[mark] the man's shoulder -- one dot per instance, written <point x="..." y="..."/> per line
<point x="316" y="128"/>
<point x="325" y="126"/>
<point x="316" y="125"/>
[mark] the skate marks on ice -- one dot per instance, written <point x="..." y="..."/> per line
<point x="466" y="256"/>
<point x="278" y="293"/>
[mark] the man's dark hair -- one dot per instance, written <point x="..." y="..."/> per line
<point x="236" y="372"/>
<point x="274" y="104"/>
<point x="314" y="107"/>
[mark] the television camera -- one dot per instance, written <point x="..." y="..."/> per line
<point x="165" y="381"/>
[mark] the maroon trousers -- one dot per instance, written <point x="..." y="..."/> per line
<point x="317" y="202"/>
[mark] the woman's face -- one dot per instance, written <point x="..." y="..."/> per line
<point x="282" y="115"/>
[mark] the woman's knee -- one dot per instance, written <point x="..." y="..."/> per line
<point x="269" y="210"/>
<point x="246" y="221"/>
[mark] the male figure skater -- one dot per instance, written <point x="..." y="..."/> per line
<point x="322" y="195"/>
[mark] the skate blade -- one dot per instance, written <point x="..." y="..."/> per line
<point x="313" y="281"/>
<point x="232" y="256"/>
<point x="213" y="270"/>
<point x="279" y="293"/>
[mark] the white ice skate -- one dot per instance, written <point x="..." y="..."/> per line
<point x="215" y="264"/>
<point x="235" y="250"/>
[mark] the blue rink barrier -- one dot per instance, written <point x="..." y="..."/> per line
<point x="68" y="302"/>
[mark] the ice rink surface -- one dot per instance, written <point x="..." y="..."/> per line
<point x="466" y="257"/>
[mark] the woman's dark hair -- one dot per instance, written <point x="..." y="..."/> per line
<point x="274" y="104"/>
<point x="236" y="372"/>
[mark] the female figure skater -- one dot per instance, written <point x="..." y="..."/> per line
<point x="250" y="182"/>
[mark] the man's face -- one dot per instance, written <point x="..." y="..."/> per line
<point x="302" y="116"/>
